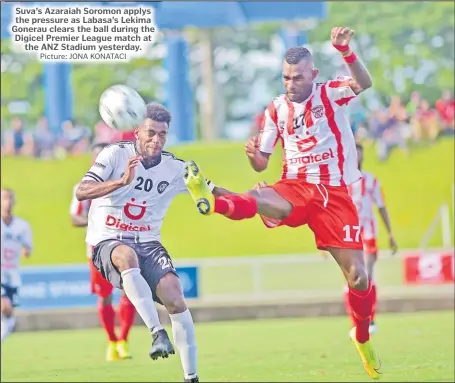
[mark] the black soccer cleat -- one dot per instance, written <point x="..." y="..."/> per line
<point x="162" y="346"/>
<point x="192" y="380"/>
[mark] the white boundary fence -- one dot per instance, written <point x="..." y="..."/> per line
<point x="292" y="276"/>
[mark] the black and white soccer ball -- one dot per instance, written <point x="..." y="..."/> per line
<point x="121" y="107"/>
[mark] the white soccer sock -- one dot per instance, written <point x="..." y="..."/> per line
<point x="7" y="325"/>
<point x="139" y="293"/>
<point x="185" y="340"/>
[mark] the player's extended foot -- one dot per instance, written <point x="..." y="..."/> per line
<point x="123" y="350"/>
<point x="197" y="187"/>
<point x="373" y="329"/>
<point x="192" y="380"/>
<point x="162" y="346"/>
<point x="112" y="353"/>
<point x="370" y="358"/>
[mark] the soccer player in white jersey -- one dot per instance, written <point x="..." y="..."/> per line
<point x="320" y="160"/>
<point x="365" y="193"/>
<point x="131" y="186"/>
<point x="16" y="242"/>
<point x="117" y="347"/>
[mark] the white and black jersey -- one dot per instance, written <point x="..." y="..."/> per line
<point x="138" y="209"/>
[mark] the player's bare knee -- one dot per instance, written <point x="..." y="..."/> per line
<point x="358" y="279"/>
<point x="270" y="204"/>
<point x="170" y="293"/>
<point x="124" y="258"/>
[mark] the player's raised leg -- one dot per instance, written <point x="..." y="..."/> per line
<point x="264" y="201"/>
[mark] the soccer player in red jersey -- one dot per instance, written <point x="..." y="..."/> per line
<point x="365" y="193"/>
<point x="117" y="344"/>
<point x="320" y="161"/>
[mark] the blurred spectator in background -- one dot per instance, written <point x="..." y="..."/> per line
<point x="75" y="139"/>
<point x="357" y="115"/>
<point x="388" y="132"/>
<point x="18" y="141"/>
<point x="103" y="133"/>
<point x="413" y="104"/>
<point x="445" y="107"/>
<point x="44" y="139"/>
<point x="425" y="123"/>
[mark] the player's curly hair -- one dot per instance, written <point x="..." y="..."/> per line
<point x="296" y="54"/>
<point x="158" y="113"/>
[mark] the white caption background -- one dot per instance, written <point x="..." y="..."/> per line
<point x="83" y="33"/>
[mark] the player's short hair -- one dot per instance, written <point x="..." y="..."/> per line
<point x="100" y="145"/>
<point x="296" y="54"/>
<point x="158" y="113"/>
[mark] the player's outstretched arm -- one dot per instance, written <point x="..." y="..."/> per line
<point x="362" y="80"/>
<point x="258" y="160"/>
<point x="93" y="189"/>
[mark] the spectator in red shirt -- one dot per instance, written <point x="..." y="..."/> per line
<point x="446" y="110"/>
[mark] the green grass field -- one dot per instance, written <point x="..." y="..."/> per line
<point x="414" y="186"/>
<point x="414" y="348"/>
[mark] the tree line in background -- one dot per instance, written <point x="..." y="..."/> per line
<point x="406" y="46"/>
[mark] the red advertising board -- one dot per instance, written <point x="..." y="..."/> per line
<point x="429" y="267"/>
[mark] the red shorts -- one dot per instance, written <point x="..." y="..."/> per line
<point x="327" y="210"/>
<point x="99" y="285"/>
<point x="370" y="246"/>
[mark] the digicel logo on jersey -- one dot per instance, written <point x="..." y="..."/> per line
<point x="311" y="158"/>
<point x="118" y="224"/>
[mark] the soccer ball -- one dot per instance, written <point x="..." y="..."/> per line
<point x="121" y="107"/>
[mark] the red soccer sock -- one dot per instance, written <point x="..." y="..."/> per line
<point x="374" y="300"/>
<point x="236" y="206"/>
<point x="127" y="313"/>
<point x="107" y="319"/>
<point x="347" y="305"/>
<point x="361" y="305"/>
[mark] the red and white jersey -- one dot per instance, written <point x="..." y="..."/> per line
<point x="366" y="193"/>
<point x="14" y="237"/>
<point x="80" y="208"/>
<point x="316" y="135"/>
<point x="136" y="210"/>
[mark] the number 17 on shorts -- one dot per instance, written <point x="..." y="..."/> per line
<point x="352" y="233"/>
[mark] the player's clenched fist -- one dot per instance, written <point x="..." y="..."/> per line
<point x="252" y="146"/>
<point x="128" y="176"/>
<point x="341" y="36"/>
